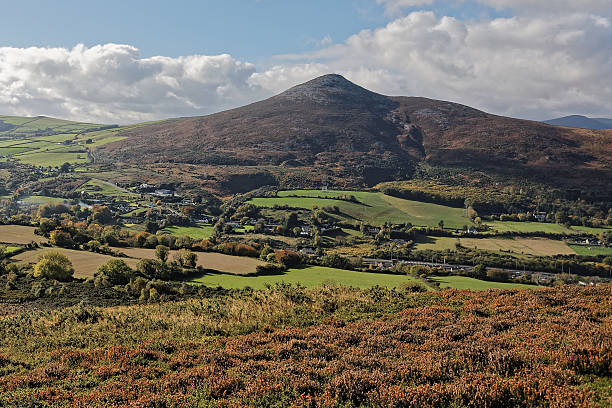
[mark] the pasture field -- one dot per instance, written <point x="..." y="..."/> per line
<point x="238" y="265"/>
<point x="37" y="141"/>
<point x="95" y="186"/>
<point x="531" y="246"/>
<point x="43" y="200"/>
<point x="516" y="226"/>
<point x="19" y="234"/>
<point x="85" y="263"/>
<point x="310" y="276"/>
<point x="52" y="158"/>
<point x="591" y="250"/>
<point x="198" y="232"/>
<point x="374" y="208"/>
<point x="10" y="249"/>
<point x="464" y="282"/>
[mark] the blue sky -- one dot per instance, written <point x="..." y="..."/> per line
<point x="246" y="29"/>
<point x="134" y="60"/>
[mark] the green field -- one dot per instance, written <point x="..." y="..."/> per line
<point x="43" y="200"/>
<point x="464" y="282"/>
<point x="95" y="186"/>
<point x="374" y="208"/>
<point x="310" y="276"/>
<point x="37" y="141"/>
<point x="591" y="250"/>
<point x="516" y="226"/>
<point x="198" y="232"/>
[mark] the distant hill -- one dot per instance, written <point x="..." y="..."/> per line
<point x="26" y="127"/>
<point x="330" y="127"/>
<point x="582" y="122"/>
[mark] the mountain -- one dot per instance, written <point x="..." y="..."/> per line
<point x="332" y="128"/>
<point x="582" y="122"/>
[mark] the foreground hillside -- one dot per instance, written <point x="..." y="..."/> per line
<point x="332" y="126"/>
<point x="331" y="346"/>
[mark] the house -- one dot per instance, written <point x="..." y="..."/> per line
<point x="163" y="193"/>
<point x="540" y="216"/>
<point x="308" y="251"/>
<point x="306" y="231"/>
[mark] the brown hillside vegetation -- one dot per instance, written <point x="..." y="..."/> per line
<point x="332" y="347"/>
<point x="330" y="124"/>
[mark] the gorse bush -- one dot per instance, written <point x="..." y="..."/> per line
<point x="54" y="265"/>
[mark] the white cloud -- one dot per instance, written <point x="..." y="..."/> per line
<point x="112" y="83"/>
<point x="531" y="67"/>
<point x="525" y="66"/>
<point x="523" y="7"/>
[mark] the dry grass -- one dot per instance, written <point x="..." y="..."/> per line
<point x="237" y="265"/>
<point x="533" y="246"/>
<point x="85" y="263"/>
<point x="19" y="234"/>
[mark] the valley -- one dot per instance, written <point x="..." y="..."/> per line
<point x="158" y="254"/>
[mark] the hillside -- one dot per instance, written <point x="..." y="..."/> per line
<point x="332" y="126"/>
<point x="582" y="122"/>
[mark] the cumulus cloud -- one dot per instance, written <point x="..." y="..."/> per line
<point x="532" y="67"/>
<point x="112" y="83"/>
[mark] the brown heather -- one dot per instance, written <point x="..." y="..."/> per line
<point x="331" y="346"/>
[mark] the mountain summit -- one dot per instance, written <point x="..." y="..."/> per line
<point x="333" y="127"/>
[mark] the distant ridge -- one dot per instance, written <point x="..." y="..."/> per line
<point x="581" y="122"/>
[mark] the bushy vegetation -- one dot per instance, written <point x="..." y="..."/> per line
<point x="288" y="346"/>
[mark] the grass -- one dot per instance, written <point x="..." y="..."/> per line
<point x="19" y="234"/>
<point x="591" y="250"/>
<point x="42" y="200"/>
<point x="52" y="159"/>
<point x="310" y="276"/>
<point x="198" y="232"/>
<point x="515" y="226"/>
<point x="464" y="282"/>
<point x="85" y="263"/>
<point x="238" y="265"/>
<point x="531" y="246"/>
<point x="374" y="208"/>
<point x="95" y="186"/>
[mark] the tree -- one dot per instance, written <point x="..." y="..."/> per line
<point x="186" y="258"/>
<point x="116" y="271"/>
<point x="101" y="214"/>
<point x="65" y="168"/>
<point x="441" y="224"/>
<point x="54" y="265"/>
<point x="162" y="252"/>
<point x="61" y="239"/>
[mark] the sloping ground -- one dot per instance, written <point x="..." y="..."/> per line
<point x="292" y="347"/>
<point x="330" y="125"/>
<point x="239" y="265"/>
<point x="372" y="207"/>
<point x="19" y="234"/>
<point x="85" y="263"/>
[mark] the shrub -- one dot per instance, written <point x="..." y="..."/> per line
<point x="54" y="265"/>
<point x="162" y="252"/>
<point x="287" y="258"/>
<point x="61" y="239"/>
<point x="116" y="271"/>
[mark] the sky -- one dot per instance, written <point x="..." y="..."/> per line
<point x="130" y="61"/>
